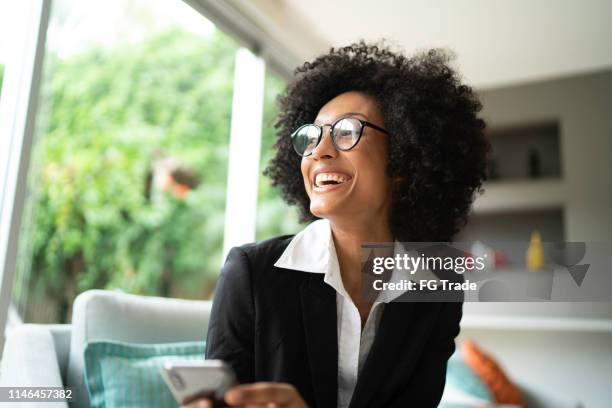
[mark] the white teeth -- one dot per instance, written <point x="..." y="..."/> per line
<point x="323" y="177"/>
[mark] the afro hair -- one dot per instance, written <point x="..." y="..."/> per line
<point x="437" y="145"/>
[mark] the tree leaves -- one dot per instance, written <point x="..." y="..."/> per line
<point x="107" y="113"/>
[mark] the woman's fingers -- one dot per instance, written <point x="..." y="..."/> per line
<point x="265" y="394"/>
<point x="201" y="403"/>
<point x="260" y="393"/>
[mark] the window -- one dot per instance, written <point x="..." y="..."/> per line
<point x="274" y="216"/>
<point x="128" y="177"/>
<point x="7" y="28"/>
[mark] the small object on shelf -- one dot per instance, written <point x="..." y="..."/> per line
<point x="535" y="253"/>
<point x="535" y="168"/>
<point x="500" y="258"/>
<point x="480" y="250"/>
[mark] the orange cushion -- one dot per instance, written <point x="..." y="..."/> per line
<point x="491" y="374"/>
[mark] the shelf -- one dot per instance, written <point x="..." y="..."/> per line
<point x="536" y="323"/>
<point x="523" y="195"/>
<point x="519" y="151"/>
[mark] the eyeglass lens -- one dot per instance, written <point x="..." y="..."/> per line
<point x="345" y="134"/>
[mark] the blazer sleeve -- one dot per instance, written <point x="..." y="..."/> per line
<point x="230" y="334"/>
<point x="428" y="379"/>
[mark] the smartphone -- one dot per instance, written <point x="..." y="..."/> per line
<point x="190" y="380"/>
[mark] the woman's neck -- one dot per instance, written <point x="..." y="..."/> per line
<point x="348" y="238"/>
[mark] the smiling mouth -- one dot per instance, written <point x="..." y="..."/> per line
<point x="330" y="179"/>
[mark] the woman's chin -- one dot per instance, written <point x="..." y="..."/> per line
<point x="322" y="211"/>
<point x="326" y="209"/>
<point x="317" y="212"/>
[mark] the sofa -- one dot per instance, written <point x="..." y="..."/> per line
<point x="52" y="355"/>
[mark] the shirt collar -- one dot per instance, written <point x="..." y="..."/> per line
<point x="313" y="250"/>
<point x="310" y="250"/>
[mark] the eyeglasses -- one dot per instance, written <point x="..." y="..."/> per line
<point x="345" y="134"/>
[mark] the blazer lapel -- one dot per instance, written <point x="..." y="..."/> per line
<point x="392" y="345"/>
<point x="319" y="314"/>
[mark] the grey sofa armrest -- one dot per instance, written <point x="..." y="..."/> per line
<point x="61" y="339"/>
<point x="30" y="360"/>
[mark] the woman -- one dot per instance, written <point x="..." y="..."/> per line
<point x="379" y="148"/>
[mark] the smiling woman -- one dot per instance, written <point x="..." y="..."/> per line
<point x="375" y="147"/>
<point x="436" y="145"/>
<point x="366" y="187"/>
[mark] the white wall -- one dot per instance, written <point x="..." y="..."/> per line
<point x="497" y="42"/>
<point x="570" y="364"/>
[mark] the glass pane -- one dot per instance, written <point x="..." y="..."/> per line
<point x="127" y="188"/>
<point x="274" y="217"/>
<point x="7" y="29"/>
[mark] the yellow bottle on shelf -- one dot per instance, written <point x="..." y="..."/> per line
<point x="535" y="252"/>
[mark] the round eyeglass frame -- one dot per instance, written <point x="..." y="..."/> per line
<point x="363" y="124"/>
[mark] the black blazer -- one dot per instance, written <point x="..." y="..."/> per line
<point x="274" y="324"/>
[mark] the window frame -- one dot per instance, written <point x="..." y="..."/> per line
<point x="18" y="109"/>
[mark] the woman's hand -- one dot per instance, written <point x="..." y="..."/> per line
<point x="261" y="394"/>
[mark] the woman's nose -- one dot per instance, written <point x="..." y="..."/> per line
<point x="325" y="149"/>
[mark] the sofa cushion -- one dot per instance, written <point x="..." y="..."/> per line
<point x="492" y="374"/>
<point x="28" y="348"/>
<point x="100" y="315"/>
<point x="461" y="380"/>
<point x="128" y="375"/>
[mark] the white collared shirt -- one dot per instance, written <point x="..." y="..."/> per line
<point x="313" y="250"/>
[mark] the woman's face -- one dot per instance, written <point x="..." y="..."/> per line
<point x="354" y="183"/>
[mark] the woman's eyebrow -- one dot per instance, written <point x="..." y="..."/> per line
<point x="318" y="122"/>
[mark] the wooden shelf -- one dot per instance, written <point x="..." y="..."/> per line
<point x="536" y="323"/>
<point x="521" y="195"/>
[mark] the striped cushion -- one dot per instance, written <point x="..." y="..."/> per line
<point x="461" y="377"/>
<point x="128" y="375"/>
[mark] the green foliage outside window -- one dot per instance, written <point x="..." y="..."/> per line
<point x="106" y="115"/>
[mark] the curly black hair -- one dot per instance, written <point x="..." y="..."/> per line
<point x="437" y="144"/>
